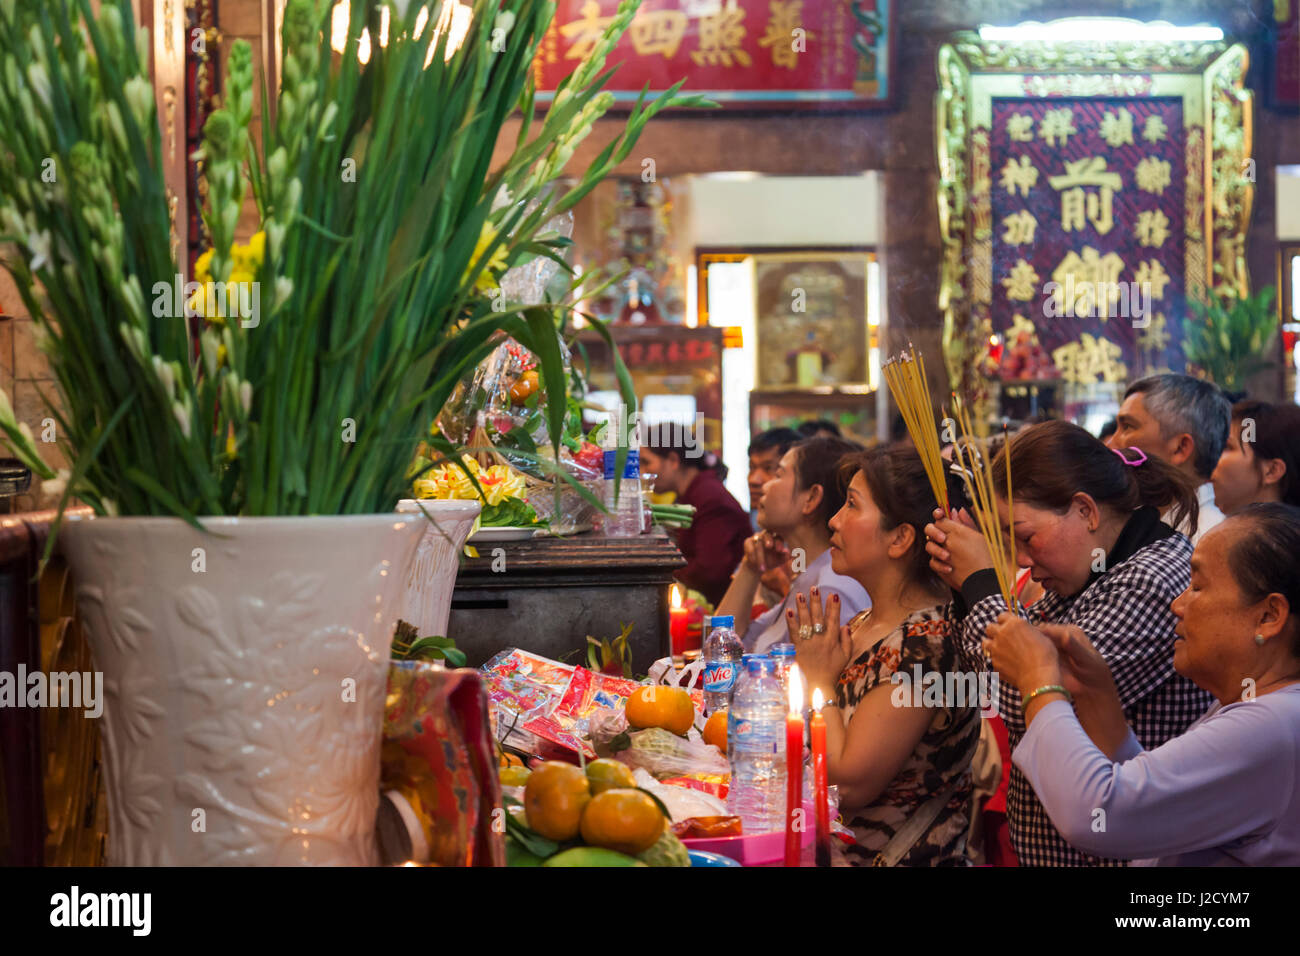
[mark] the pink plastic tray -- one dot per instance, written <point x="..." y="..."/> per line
<point x="757" y="849"/>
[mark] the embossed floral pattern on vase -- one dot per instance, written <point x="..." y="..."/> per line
<point x="244" y="691"/>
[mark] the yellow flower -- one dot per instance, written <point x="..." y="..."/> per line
<point x="426" y="488"/>
<point x="487" y="279"/>
<point x="450" y="482"/>
<point x="257" y="247"/>
<point x="201" y="266"/>
<point x="499" y="483"/>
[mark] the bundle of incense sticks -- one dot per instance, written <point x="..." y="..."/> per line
<point x="977" y="464"/>
<point x="905" y="375"/>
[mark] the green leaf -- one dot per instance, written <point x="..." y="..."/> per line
<point x="530" y="840"/>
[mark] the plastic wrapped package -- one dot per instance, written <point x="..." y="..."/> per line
<point x="682" y="802"/>
<point x="492" y="395"/>
<point x="658" y="751"/>
<point x="438" y="769"/>
<point x="539" y="701"/>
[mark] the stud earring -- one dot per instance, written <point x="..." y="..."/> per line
<point x="1259" y="639"/>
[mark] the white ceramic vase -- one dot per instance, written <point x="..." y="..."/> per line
<point x="244" y="676"/>
<point x="427" y="602"/>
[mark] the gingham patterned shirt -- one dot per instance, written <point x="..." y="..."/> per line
<point x="1125" y="613"/>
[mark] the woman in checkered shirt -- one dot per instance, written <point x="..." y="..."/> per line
<point x="1088" y="526"/>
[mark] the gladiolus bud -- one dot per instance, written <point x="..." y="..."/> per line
<point x="277" y="165"/>
<point x="40" y="81"/>
<point x="142" y="46"/>
<point x="139" y="96"/>
<point x="209" y="345"/>
<point x="165" y="376"/>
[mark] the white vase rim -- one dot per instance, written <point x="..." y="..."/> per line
<point x="452" y="508"/>
<point x="235" y="521"/>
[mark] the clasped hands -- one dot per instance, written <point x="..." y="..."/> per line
<point x="767" y="555"/>
<point x="822" y="647"/>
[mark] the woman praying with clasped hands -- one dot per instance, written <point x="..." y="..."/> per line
<point x="900" y="761"/>
<point x="1224" y="793"/>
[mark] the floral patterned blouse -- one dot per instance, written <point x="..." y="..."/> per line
<point x="925" y="638"/>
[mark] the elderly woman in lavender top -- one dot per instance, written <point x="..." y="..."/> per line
<point x="1226" y="792"/>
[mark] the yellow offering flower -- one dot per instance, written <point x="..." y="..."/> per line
<point x="487" y="279"/>
<point x="202" y="265"/>
<point x="500" y="483"/>
<point x="248" y="258"/>
<point x="450" y="482"/>
<point x="246" y="262"/>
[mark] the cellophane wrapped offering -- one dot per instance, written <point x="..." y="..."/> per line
<point x="539" y="701"/>
<point x="438" y="756"/>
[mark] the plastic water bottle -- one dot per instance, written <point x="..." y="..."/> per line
<point x="722" y="653"/>
<point x="625" y="511"/>
<point x="741" y="676"/>
<point x="755" y="745"/>
<point x="783" y="656"/>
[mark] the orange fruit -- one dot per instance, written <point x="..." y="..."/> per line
<point x="514" y="776"/>
<point x="607" y="773"/>
<point x="507" y="759"/>
<point x="666" y="707"/>
<point x="715" y="730"/>
<point x="554" y="797"/>
<point x="624" y="820"/>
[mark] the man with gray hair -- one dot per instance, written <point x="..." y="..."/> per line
<point x="1183" y="421"/>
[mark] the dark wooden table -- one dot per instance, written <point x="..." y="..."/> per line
<point x="547" y="594"/>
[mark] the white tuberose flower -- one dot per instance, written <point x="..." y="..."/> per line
<point x="39" y="244"/>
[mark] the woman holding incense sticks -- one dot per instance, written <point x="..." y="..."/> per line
<point x="1087" y="524"/>
<point x="900" y="731"/>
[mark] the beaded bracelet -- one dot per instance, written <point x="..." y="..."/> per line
<point x="1050" y="688"/>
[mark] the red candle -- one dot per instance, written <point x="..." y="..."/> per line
<point x="678" y="618"/>
<point x="817" y="730"/>
<point x="794" y="822"/>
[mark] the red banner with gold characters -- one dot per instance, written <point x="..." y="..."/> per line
<point x="740" y="53"/>
<point x="1088" y="220"/>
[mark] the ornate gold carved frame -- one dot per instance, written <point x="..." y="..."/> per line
<point x="1217" y="109"/>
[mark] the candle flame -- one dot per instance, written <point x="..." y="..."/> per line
<point x="795" y="680"/>
<point x="677" y="596"/>
<point x="818" y="701"/>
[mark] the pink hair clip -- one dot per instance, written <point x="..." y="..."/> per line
<point x="1140" y="460"/>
